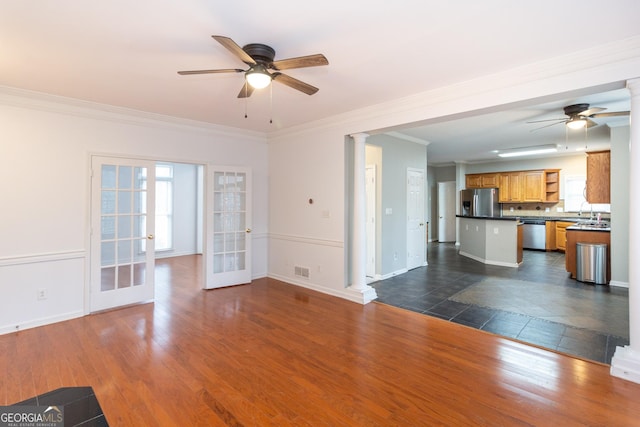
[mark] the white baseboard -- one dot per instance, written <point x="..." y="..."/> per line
<point x="625" y="364"/>
<point x="395" y="273"/>
<point x="347" y="293"/>
<point x="619" y="284"/>
<point x="488" y="262"/>
<point x="7" y="329"/>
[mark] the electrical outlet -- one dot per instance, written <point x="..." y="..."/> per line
<point x="42" y="294"/>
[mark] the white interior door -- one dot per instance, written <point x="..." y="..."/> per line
<point x="122" y="228"/>
<point x="447" y="211"/>
<point x="371" y="219"/>
<point x="416" y="238"/>
<point x="228" y="241"/>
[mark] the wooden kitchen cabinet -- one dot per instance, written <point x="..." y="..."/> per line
<point x="533" y="186"/>
<point x="561" y="234"/>
<point x="520" y="243"/>
<point x="552" y="185"/>
<point x="599" y="177"/>
<point x="550" y="236"/>
<point x="510" y="187"/>
<point x="481" y="180"/>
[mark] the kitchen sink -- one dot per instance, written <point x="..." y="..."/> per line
<point x="590" y="225"/>
<point x="593" y="223"/>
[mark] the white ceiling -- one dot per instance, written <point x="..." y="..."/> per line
<point x="126" y="53"/>
<point x="475" y="139"/>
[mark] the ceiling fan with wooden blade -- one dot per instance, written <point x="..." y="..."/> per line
<point x="579" y="116"/>
<point x="260" y="59"/>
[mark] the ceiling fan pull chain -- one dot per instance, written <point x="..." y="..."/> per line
<point x="271" y="103"/>
<point x="246" y="98"/>
<point x="586" y="138"/>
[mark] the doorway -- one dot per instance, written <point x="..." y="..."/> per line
<point x="416" y="236"/>
<point x="447" y="211"/>
<point x="371" y="189"/>
<point x="132" y="210"/>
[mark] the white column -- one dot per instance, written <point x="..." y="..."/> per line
<point x="363" y="292"/>
<point x="626" y="360"/>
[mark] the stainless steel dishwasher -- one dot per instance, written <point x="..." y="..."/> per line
<point x="534" y="235"/>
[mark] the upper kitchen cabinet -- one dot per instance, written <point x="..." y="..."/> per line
<point x="540" y="186"/>
<point x="552" y="185"/>
<point x="481" y="180"/>
<point x="535" y="186"/>
<point x="599" y="177"/>
<point x="510" y="187"/>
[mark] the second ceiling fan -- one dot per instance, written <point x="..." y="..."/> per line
<point x="260" y="59"/>
<point x="579" y="116"/>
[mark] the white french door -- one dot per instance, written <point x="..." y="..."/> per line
<point x="122" y="227"/>
<point x="228" y="237"/>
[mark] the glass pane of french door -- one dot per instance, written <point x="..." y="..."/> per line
<point x="122" y="250"/>
<point x="229" y="242"/>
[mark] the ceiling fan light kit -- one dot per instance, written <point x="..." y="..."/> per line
<point x="258" y="77"/>
<point x="576" y="123"/>
<point x="579" y="116"/>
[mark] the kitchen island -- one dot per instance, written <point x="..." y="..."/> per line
<point x="491" y="240"/>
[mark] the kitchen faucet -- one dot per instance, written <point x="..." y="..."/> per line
<point x="590" y="210"/>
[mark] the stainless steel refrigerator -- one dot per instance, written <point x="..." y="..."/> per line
<point x="479" y="202"/>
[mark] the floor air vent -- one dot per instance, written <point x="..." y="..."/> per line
<point x="301" y="272"/>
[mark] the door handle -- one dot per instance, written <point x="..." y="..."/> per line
<point x="248" y="230"/>
<point x="150" y="236"/>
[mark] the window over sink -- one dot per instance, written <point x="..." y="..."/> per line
<point x="575" y="196"/>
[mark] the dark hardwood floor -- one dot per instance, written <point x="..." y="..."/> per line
<point x="274" y="354"/>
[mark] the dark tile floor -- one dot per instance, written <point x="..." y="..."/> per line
<point x="429" y="290"/>
<point x="79" y="405"/>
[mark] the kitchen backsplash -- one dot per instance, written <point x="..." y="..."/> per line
<point x="540" y="209"/>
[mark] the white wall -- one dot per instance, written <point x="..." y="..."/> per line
<point x="620" y="213"/>
<point x="44" y="182"/>
<point x="397" y="156"/>
<point x="303" y="234"/>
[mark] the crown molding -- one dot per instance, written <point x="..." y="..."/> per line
<point x="603" y="65"/>
<point x="70" y="106"/>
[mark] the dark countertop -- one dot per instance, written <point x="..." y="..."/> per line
<point x="491" y="218"/>
<point x="576" y="226"/>
<point x="586" y="227"/>
<point x="551" y="218"/>
<point x="518" y="218"/>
